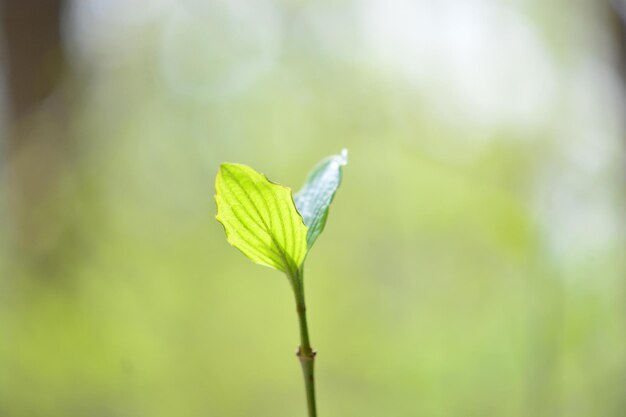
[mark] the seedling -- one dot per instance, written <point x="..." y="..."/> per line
<point x="272" y="228"/>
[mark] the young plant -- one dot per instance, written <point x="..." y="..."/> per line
<point x="272" y="228"/>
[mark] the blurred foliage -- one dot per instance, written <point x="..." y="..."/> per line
<point x="473" y="264"/>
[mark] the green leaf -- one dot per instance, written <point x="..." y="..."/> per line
<point x="314" y="199"/>
<point x="260" y="218"/>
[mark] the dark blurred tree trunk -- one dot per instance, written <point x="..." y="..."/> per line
<point x="616" y="16"/>
<point x="37" y="141"/>
<point x="32" y="32"/>
<point x="616" y="13"/>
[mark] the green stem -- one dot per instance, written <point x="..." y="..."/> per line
<point x="306" y="354"/>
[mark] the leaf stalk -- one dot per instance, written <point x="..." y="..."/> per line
<point x="305" y="353"/>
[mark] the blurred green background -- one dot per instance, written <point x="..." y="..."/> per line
<point x="473" y="262"/>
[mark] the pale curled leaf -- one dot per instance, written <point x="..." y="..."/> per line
<point x="260" y="218"/>
<point x="314" y="198"/>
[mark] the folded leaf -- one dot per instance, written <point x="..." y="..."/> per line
<point x="260" y="218"/>
<point x="314" y="199"/>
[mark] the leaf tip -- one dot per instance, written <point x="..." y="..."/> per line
<point x="224" y="166"/>
<point x="343" y="157"/>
